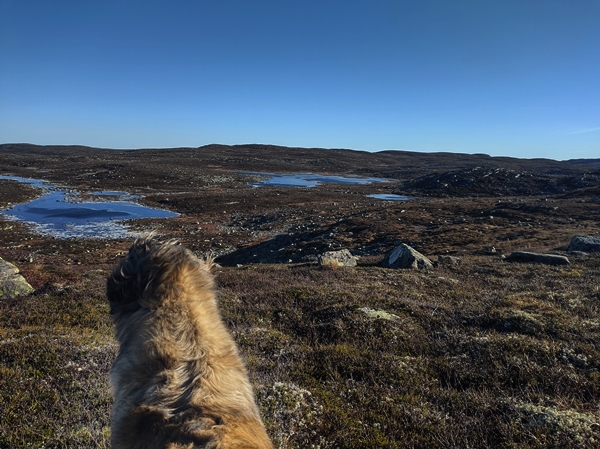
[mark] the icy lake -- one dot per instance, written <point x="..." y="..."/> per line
<point x="389" y="197"/>
<point x="58" y="212"/>
<point x="307" y="179"/>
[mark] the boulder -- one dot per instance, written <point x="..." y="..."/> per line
<point x="342" y="258"/>
<point x="11" y="282"/>
<point x="585" y="243"/>
<point x="403" y="256"/>
<point x="548" y="259"/>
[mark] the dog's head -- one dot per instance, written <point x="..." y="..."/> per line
<point x="150" y="273"/>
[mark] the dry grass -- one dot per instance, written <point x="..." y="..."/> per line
<point x="481" y="354"/>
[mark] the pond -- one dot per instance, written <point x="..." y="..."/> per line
<point x="307" y="179"/>
<point x="389" y="197"/>
<point x="61" y="213"/>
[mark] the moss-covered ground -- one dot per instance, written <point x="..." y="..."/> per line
<point x="480" y="354"/>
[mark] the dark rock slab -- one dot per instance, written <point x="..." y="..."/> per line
<point x="585" y="243"/>
<point x="403" y="256"/>
<point x="547" y="259"/>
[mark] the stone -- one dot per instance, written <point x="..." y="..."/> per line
<point x="489" y="250"/>
<point x="11" y="282"/>
<point x="342" y="258"/>
<point x="578" y="253"/>
<point x="403" y="256"/>
<point x="585" y="243"/>
<point x="448" y="260"/>
<point x="548" y="259"/>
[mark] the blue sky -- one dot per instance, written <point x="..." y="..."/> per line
<point x="512" y="77"/>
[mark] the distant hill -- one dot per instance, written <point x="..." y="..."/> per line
<point x="589" y="163"/>
<point x="257" y="157"/>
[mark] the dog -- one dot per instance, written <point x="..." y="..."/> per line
<point x="178" y="380"/>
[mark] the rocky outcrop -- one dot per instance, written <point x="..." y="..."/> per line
<point x="11" y="282"/>
<point x="342" y="258"/>
<point x="585" y="243"/>
<point x="498" y="181"/>
<point x="548" y="259"/>
<point x="403" y="256"/>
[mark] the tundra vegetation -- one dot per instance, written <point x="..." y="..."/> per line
<point x="478" y="353"/>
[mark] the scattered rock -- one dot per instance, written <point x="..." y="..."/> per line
<point x="11" y="282"/>
<point x="585" y="243"/>
<point x="499" y="181"/>
<point x="548" y="259"/>
<point x="341" y="258"/>
<point x="448" y="260"/>
<point x="489" y="250"/>
<point x="403" y="256"/>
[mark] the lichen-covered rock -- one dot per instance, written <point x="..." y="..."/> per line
<point x="11" y="282"/>
<point x="341" y="258"/>
<point x="381" y="314"/>
<point x="585" y="243"/>
<point x="403" y="256"/>
<point x="548" y="259"/>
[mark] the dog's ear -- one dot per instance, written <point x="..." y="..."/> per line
<point x="132" y="278"/>
<point x="144" y="278"/>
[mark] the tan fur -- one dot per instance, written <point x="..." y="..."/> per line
<point x="178" y="381"/>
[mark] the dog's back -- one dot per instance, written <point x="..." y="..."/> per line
<point x="178" y="381"/>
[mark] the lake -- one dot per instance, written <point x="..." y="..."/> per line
<point x="389" y="197"/>
<point x="307" y="179"/>
<point x="60" y="213"/>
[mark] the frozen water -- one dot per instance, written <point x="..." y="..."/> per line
<point x="307" y="179"/>
<point x="57" y="212"/>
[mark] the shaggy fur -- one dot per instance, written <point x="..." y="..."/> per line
<point x="178" y="381"/>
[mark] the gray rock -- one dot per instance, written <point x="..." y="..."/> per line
<point x="548" y="259"/>
<point x="11" y="282"/>
<point x="342" y="257"/>
<point x="448" y="260"/>
<point x="578" y="253"/>
<point x="403" y="256"/>
<point x="585" y="243"/>
<point x="489" y="250"/>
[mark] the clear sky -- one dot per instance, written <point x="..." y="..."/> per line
<point x="505" y="77"/>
